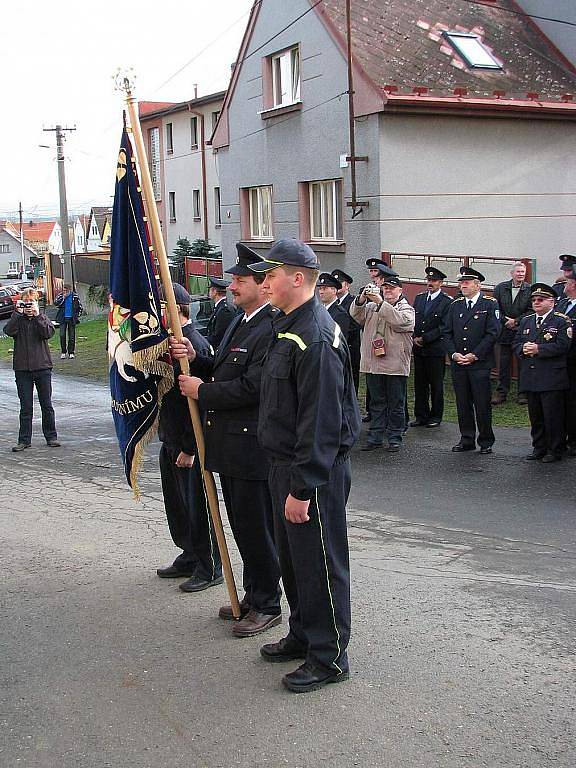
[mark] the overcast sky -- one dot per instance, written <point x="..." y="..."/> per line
<point x="58" y="62"/>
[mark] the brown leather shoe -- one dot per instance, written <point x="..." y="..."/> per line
<point x="254" y="623"/>
<point x="226" y="611"/>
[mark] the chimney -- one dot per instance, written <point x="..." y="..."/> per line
<point x="195" y="91"/>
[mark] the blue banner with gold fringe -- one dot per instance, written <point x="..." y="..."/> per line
<point x="140" y="368"/>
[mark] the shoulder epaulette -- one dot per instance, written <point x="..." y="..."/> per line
<point x="460" y="298"/>
<point x="422" y="293"/>
<point x="532" y="314"/>
<point x="490" y="298"/>
<point x="561" y="314"/>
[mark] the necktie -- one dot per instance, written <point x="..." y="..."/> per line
<point x="538" y="322"/>
<point x="469" y="306"/>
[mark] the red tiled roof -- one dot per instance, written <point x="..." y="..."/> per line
<point x="144" y="107"/>
<point x="37" y="231"/>
<point x="399" y="43"/>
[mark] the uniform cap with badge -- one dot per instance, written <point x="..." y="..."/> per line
<point x="289" y="253"/>
<point x="467" y="273"/>
<point x="542" y="290"/>
<point x="432" y="273"/>
<point x="382" y="267"/>
<point x="567" y="262"/>
<point x="394" y="281"/>
<point x="329" y="280"/>
<point x="181" y="294"/>
<point x="219" y="284"/>
<point x="245" y="257"/>
<point x="340" y="275"/>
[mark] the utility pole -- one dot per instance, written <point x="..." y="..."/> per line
<point x="67" y="256"/>
<point x="23" y="261"/>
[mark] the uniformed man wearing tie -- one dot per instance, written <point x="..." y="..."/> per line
<point x="542" y="343"/>
<point x="345" y="298"/>
<point x="222" y="314"/>
<point x="431" y="308"/>
<point x="328" y="287"/>
<point x="470" y="332"/>
<point x="231" y="402"/>
<point x="567" y="306"/>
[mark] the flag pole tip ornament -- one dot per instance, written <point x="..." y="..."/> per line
<point x="141" y="371"/>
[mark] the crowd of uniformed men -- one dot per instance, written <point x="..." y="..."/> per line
<point x="277" y="383"/>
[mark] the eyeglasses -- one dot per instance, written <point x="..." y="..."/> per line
<point x="537" y="298"/>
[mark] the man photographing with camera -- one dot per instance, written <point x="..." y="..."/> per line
<point x="32" y="364"/>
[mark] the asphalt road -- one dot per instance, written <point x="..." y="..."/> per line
<point x="464" y="586"/>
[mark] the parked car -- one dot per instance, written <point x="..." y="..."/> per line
<point x="200" y="311"/>
<point x="19" y="287"/>
<point x="12" y="274"/>
<point x="7" y="293"/>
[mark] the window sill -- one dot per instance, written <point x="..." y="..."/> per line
<point x="254" y="241"/>
<point x="194" y="146"/>
<point x="197" y="218"/>
<point x="338" y="246"/>
<point x="217" y="226"/>
<point x="281" y="109"/>
<point x="172" y="221"/>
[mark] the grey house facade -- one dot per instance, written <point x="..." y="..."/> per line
<point x="459" y="161"/>
<point x="11" y="254"/>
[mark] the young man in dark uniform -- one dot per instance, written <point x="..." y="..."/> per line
<point x="542" y="343"/>
<point x="431" y="308"/>
<point x="328" y="287"/>
<point x="567" y="306"/>
<point x="567" y="265"/>
<point x="222" y="314"/>
<point x="470" y="332"/>
<point x="231" y="401"/>
<point x="345" y="298"/>
<point x="182" y="482"/>
<point x="308" y="422"/>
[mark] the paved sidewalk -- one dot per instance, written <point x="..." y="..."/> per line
<point x="464" y="587"/>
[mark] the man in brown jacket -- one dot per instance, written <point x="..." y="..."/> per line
<point x="385" y="358"/>
<point x="32" y="367"/>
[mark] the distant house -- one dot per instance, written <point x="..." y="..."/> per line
<point x="79" y="239"/>
<point x="99" y="228"/>
<point x="11" y="252"/>
<point x="464" y="129"/>
<point x="183" y="167"/>
<point x="42" y="236"/>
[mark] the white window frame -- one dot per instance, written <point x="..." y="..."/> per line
<point x="472" y="50"/>
<point x="4" y="248"/>
<point x="172" y="206"/>
<point x="260" y="203"/>
<point x="329" y="191"/>
<point x="286" y="77"/>
<point x="169" y="138"/>
<point x="215" y="118"/>
<point x="194" y="132"/>
<point x="155" y="161"/>
<point x="217" y="207"/>
<point x="13" y="265"/>
<point x="196" y="203"/>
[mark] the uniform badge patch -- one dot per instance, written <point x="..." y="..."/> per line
<point x="569" y="332"/>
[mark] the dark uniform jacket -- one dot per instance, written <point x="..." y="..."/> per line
<point x="221" y="317"/>
<point x="174" y="423"/>
<point x="518" y="308"/>
<point x="429" y="325"/>
<point x="232" y="398"/>
<point x="473" y="331"/>
<point x="546" y="371"/>
<point x="31" y="334"/>
<point x="340" y="316"/>
<point x="309" y="417"/>
<point x="562" y="306"/>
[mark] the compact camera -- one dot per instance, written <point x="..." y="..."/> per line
<point x="372" y="288"/>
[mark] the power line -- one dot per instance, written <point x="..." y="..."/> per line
<point x="513" y="12"/>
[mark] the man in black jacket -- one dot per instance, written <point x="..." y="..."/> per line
<point x="68" y="317"/>
<point x="222" y="314"/>
<point x="32" y="365"/>
<point x="182" y="481"/>
<point x="542" y="343"/>
<point x="328" y="287"/>
<point x="514" y="302"/>
<point x="567" y="306"/>
<point x="231" y="401"/>
<point x="345" y="299"/>
<point x="308" y="423"/>
<point x="431" y="308"/>
<point x="567" y="265"/>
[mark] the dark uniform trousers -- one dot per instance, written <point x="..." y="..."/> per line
<point x="429" y="375"/>
<point x="188" y="516"/>
<point x="314" y="562"/>
<point x="473" y="401"/>
<point x="249" y="509"/>
<point x="570" y="403"/>
<point x="547" y="418"/>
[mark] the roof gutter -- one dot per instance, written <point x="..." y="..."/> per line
<point x="478" y="107"/>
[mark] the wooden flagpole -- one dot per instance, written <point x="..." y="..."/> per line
<point x="160" y="250"/>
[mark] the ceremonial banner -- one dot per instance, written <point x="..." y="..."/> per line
<point x="140" y="367"/>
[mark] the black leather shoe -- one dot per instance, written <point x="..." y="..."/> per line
<point x="366" y="419"/>
<point x="172" y="572"/>
<point x="550" y="457"/>
<point x="226" y="611"/>
<point x="20" y="447"/>
<point x="52" y="443"/>
<point x="286" y="649"/>
<point x="254" y="623"/>
<point x="534" y="456"/>
<point x="393" y="448"/>
<point x="486" y="450"/>
<point x="418" y="423"/>
<point x="433" y="424"/>
<point x="571" y="450"/>
<point x="197" y="584"/>
<point x="371" y="447"/>
<point x="459" y="447"/>
<point x="309" y="678"/>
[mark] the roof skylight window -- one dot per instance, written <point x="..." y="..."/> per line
<point x="472" y="50"/>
